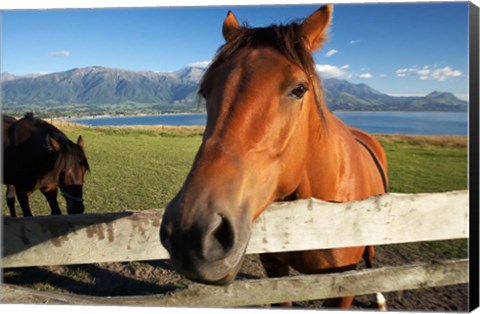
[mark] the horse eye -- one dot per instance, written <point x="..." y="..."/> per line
<point x="299" y="91"/>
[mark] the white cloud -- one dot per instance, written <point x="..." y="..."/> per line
<point x="331" y="52"/>
<point x="365" y="75"/>
<point x="445" y="73"/>
<point x="402" y="72"/>
<point x="356" y="41"/>
<point x="61" y="53"/>
<point x="345" y="66"/>
<point x="329" y="71"/>
<point x="200" y="64"/>
<point x="429" y="73"/>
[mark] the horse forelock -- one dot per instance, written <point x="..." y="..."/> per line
<point x="70" y="156"/>
<point x="289" y="40"/>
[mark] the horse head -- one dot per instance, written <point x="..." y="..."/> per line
<point x="70" y="167"/>
<point x="262" y="97"/>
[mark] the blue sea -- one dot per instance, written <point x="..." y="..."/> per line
<point x="385" y="122"/>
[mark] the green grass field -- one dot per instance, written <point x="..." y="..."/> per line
<point x="142" y="168"/>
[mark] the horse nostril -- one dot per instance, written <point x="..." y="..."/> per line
<point x="220" y="240"/>
<point x="224" y="234"/>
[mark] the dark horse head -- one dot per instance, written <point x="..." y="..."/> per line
<point x="37" y="155"/>
<point x="269" y="137"/>
<point x="69" y="171"/>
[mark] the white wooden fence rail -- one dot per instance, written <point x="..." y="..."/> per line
<point x="289" y="226"/>
<point x="300" y="225"/>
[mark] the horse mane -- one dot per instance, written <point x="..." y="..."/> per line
<point x="288" y="39"/>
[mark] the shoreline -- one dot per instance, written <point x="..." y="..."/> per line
<point x="107" y="116"/>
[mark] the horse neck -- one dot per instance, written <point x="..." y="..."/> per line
<point x="329" y="161"/>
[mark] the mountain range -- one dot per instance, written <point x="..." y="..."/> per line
<point x="100" y="90"/>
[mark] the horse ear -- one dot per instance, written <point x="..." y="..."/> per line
<point x="54" y="143"/>
<point x="230" y="26"/>
<point x="80" y="142"/>
<point x="315" y="26"/>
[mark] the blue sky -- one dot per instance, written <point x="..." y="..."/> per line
<point x="399" y="49"/>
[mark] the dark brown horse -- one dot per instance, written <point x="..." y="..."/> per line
<point x="37" y="155"/>
<point x="269" y="137"/>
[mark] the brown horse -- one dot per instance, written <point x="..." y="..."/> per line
<point x="269" y="137"/>
<point x="37" y="155"/>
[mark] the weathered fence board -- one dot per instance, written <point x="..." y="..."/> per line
<point x="298" y="288"/>
<point x="290" y="226"/>
<point x="386" y="219"/>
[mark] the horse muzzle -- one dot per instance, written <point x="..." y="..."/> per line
<point x="219" y="273"/>
<point x="75" y="207"/>
<point x="209" y="248"/>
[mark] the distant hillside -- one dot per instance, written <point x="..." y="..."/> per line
<point x="100" y="90"/>
<point x="342" y="95"/>
<point x="94" y="90"/>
